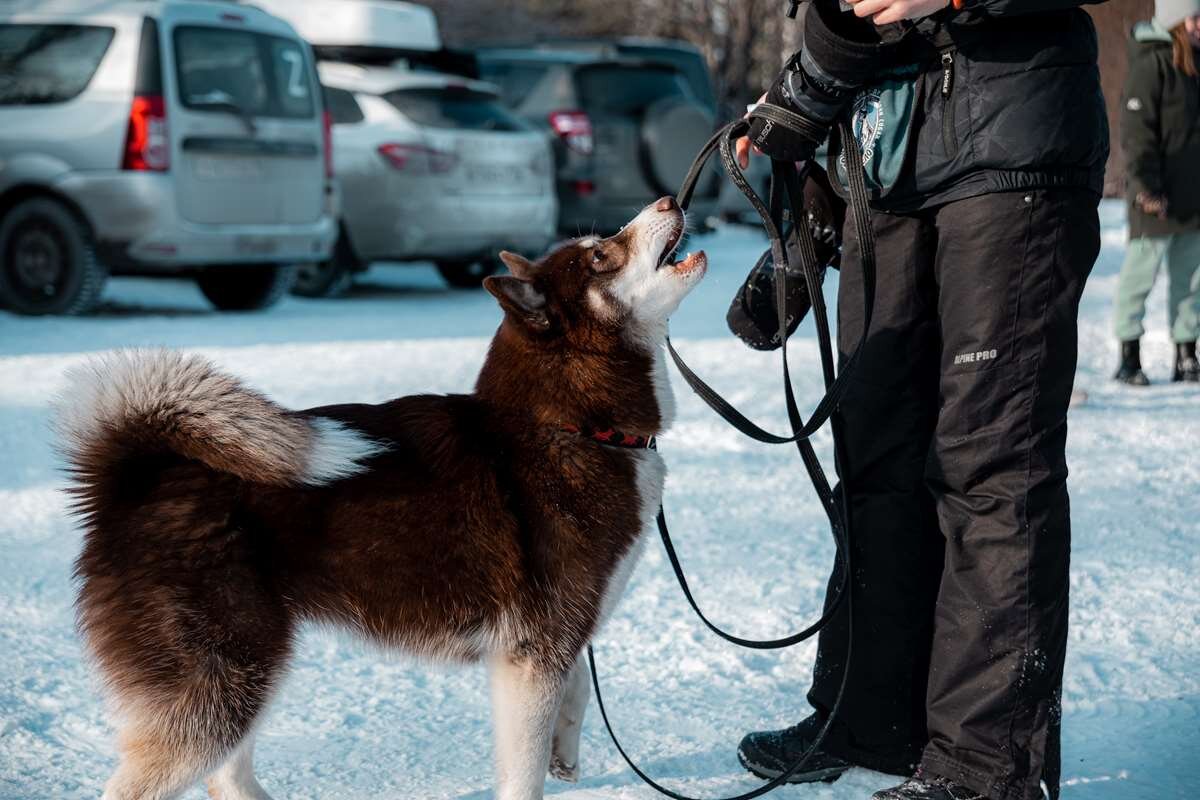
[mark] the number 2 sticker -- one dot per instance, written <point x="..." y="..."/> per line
<point x="296" y="86"/>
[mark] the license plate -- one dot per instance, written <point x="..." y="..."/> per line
<point x="254" y="245"/>
<point x="226" y="169"/>
<point x="497" y="173"/>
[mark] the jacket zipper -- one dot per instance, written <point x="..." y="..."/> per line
<point x="949" y="137"/>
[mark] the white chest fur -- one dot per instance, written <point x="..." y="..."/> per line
<point x="651" y="473"/>
<point x="662" y="388"/>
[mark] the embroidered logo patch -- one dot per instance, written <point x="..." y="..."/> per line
<point x="1134" y="104"/>
<point x="868" y="121"/>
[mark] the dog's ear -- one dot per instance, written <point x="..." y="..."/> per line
<point x="521" y="299"/>
<point x="520" y="266"/>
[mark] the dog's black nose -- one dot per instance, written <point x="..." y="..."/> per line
<point x="666" y="204"/>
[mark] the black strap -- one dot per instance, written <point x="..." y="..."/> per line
<point x="724" y="140"/>
<point x="837" y="507"/>
<point x="786" y="176"/>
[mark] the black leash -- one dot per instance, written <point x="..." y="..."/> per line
<point x="784" y="180"/>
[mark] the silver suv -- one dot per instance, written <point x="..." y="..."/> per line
<point x="625" y="129"/>
<point x="183" y="138"/>
<point x="433" y="167"/>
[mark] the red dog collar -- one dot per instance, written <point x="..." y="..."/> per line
<point x="614" y="438"/>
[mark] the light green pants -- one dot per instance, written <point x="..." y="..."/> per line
<point x="1142" y="260"/>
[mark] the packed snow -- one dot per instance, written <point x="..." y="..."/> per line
<point x="352" y="722"/>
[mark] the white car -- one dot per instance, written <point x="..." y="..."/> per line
<point x="432" y="167"/>
<point x="180" y="138"/>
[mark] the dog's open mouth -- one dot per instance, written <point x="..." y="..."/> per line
<point x="685" y="265"/>
<point x="691" y="262"/>
<point x="669" y="248"/>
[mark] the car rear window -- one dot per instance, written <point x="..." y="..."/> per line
<point x="342" y="106"/>
<point x="690" y="63"/>
<point x="454" y="107"/>
<point x="263" y="75"/>
<point x="516" y="81"/>
<point x="49" y="63"/>
<point x="625" y="90"/>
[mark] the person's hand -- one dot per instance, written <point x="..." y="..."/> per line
<point x="884" y="12"/>
<point x="1153" y="204"/>
<point x="742" y="146"/>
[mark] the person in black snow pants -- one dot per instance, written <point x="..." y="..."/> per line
<point x="984" y="140"/>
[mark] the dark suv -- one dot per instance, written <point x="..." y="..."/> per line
<point x="625" y="128"/>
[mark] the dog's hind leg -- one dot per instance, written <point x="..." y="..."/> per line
<point x="154" y="766"/>
<point x="168" y="743"/>
<point x="564" y="752"/>
<point x="165" y="750"/>
<point x="525" y="698"/>
<point x="190" y="657"/>
<point x="235" y="779"/>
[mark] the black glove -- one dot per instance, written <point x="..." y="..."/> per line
<point x="752" y="316"/>
<point x="802" y="115"/>
<point x="841" y="53"/>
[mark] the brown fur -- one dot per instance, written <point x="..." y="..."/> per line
<point x="478" y="526"/>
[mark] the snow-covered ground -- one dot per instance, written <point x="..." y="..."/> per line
<point x="352" y="723"/>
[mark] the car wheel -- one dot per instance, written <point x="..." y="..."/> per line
<point x="246" y="287"/>
<point x="330" y="278"/>
<point x="468" y="274"/>
<point x="48" y="264"/>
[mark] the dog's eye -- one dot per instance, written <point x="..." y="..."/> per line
<point x="603" y="262"/>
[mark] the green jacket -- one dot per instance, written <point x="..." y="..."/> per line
<point x="1160" y="134"/>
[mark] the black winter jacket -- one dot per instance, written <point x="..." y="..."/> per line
<point x="1009" y="99"/>
<point x="1160" y="134"/>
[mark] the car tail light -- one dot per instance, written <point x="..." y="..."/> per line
<point x="574" y="128"/>
<point x="147" y="144"/>
<point x="327" y="143"/>
<point x="416" y="158"/>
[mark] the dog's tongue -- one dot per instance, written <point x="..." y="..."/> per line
<point x="692" y="261"/>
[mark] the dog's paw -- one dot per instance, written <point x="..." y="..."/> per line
<point x="562" y="771"/>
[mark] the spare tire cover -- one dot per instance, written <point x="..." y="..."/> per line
<point x="673" y="131"/>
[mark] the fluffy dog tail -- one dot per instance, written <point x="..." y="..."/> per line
<point x="142" y="403"/>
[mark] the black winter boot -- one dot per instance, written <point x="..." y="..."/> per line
<point x="1130" y="371"/>
<point x="928" y="787"/>
<point x="768" y="754"/>
<point x="1187" y="368"/>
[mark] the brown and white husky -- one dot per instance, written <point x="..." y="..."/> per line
<point x="498" y="526"/>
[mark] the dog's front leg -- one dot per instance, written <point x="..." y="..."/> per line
<point x="564" y="752"/>
<point x="525" y="698"/>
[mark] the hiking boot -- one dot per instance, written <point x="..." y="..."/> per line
<point x="928" y="787"/>
<point x="768" y="754"/>
<point x="1130" y="371"/>
<point x="1187" y="368"/>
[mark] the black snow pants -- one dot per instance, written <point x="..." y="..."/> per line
<point x="955" y="428"/>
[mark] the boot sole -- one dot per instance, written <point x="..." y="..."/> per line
<point x="825" y="775"/>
